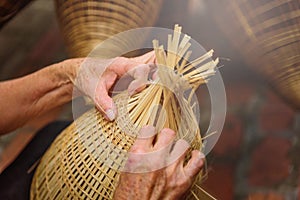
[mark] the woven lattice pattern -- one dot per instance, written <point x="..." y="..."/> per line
<point x="86" y="23"/>
<point x="267" y="35"/>
<point x="84" y="162"/>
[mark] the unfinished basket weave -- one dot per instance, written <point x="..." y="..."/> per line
<point x="86" y="23"/>
<point x="84" y="161"/>
<point x="267" y="34"/>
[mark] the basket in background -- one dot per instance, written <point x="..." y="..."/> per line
<point x="86" y="23"/>
<point x="267" y="34"/>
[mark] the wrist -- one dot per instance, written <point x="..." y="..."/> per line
<point x="55" y="82"/>
<point x="68" y="69"/>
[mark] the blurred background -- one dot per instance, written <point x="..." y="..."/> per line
<point x="257" y="155"/>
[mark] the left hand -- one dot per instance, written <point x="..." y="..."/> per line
<point x="96" y="77"/>
<point x="38" y="93"/>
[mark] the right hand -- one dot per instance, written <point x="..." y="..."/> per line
<point x="170" y="182"/>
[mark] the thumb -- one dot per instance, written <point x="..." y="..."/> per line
<point x="104" y="102"/>
<point x="146" y="58"/>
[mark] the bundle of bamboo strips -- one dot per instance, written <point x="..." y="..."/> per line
<point x="86" y="158"/>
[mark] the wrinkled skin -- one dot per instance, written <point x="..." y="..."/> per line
<point x="36" y="94"/>
<point x="87" y="78"/>
<point x="168" y="183"/>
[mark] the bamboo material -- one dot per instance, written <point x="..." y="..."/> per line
<point x="85" y="160"/>
<point x="87" y="23"/>
<point x="267" y="34"/>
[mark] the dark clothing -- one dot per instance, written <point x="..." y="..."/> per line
<point x="15" y="181"/>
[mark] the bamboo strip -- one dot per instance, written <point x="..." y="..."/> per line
<point x="84" y="161"/>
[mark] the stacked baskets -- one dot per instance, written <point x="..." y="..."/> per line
<point x="86" y="23"/>
<point x="267" y="33"/>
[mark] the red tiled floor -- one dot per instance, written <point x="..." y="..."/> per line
<point x="220" y="181"/>
<point x="231" y="137"/>
<point x="270" y="162"/>
<point x="267" y="196"/>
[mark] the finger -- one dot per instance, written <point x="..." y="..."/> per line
<point x="121" y="65"/>
<point x="153" y="71"/>
<point x="165" y="137"/>
<point x="104" y="102"/>
<point x="140" y="74"/>
<point x="155" y="75"/>
<point x="195" y="164"/>
<point x="146" y="58"/>
<point x="136" y="86"/>
<point x="178" y="152"/>
<point x="145" y="139"/>
<point x="147" y="132"/>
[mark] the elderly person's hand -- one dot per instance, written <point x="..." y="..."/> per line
<point x="96" y="76"/>
<point x="34" y="95"/>
<point x="146" y="178"/>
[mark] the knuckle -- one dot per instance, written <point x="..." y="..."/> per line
<point x="167" y="134"/>
<point x="168" y="131"/>
<point x="180" y="183"/>
<point x="184" y="182"/>
<point x="137" y="149"/>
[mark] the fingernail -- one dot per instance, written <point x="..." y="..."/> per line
<point x="201" y="155"/>
<point x="131" y="92"/>
<point x="110" y="114"/>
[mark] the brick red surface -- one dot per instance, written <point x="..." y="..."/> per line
<point x="239" y="94"/>
<point x="266" y="196"/>
<point x="231" y="137"/>
<point x="270" y="163"/>
<point x="275" y="114"/>
<point x="220" y="181"/>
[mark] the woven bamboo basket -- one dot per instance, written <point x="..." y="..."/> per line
<point x="85" y="160"/>
<point x="267" y="34"/>
<point x="86" y="23"/>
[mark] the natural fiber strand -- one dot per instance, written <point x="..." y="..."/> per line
<point x="85" y="159"/>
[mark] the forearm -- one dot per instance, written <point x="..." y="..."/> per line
<point x="25" y="98"/>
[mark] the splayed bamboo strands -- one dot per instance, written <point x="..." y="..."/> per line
<point x="206" y="67"/>
<point x="202" y="71"/>
<point x="204" y="194"/>
<point x="182" y="52"/>
<point x="208" y="135"/>
<point x="184" y="61"/>
<point x="197" y="61"/>
<point x="87" y="156"/>
<point x="183" y="47"/>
